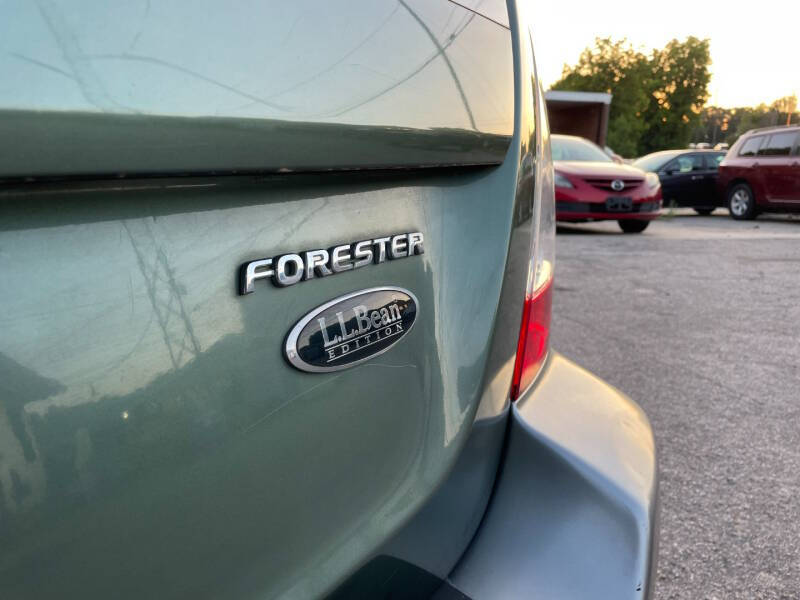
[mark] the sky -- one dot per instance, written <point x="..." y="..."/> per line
<point x="753" y="44"/>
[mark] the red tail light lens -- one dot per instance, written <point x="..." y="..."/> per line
<point x="534" y="335"/>
<point x="534" y="338"/>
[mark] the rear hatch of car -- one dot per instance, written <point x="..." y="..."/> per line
<point x="154" y="440"/>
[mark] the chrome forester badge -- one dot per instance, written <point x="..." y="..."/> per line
<point x="351" y="329"/>
<point x="287" y="269"/>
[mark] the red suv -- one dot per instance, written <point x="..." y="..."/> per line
<point x="761" y="172"/>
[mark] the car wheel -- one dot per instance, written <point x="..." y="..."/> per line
<point x="704" y="211"/>
<point x="633" y="225"/>
<point x="741" y="202"/>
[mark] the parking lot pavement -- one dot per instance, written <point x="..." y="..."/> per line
<point x="698" y="320"/>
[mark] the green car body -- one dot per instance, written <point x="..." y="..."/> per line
<point x="154" y="440"/>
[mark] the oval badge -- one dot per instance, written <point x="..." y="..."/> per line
<point x="351" y="329"/>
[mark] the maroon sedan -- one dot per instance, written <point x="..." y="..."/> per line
<point x="592" y="187"/>
<point x="761" y="172"/>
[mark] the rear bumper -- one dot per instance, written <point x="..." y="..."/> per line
<point x="574" y="513"/>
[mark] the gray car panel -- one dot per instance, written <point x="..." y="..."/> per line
<point x="574" y="514"/>
<point x="155" y="438"/>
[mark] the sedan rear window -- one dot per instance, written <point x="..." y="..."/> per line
<point x="652" y="162"/>
<point x="750" y="147"/>
<point x="713" y="160"/>
<point x="686" y="164"/>
<point x="779" y="144"/>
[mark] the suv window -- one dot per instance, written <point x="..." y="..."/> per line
<point x="750" y="146"/>
<point x="686" y="163"/>
<point x="779" y="144"/>
<point x="713" y="160"/>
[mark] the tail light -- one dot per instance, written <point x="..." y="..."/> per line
<point x="534" y="335"/>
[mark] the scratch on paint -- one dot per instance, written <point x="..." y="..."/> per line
<point x="260" y="420"/>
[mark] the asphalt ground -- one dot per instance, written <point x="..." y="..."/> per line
<point x="698" y="320"/>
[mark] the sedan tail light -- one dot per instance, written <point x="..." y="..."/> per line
<point x="534" y="335"/>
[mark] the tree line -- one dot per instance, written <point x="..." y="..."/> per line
<point x="717" y="125"/>
<point x="659" y="98"/>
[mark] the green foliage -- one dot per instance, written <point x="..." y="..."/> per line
<point x="657" y="99"/>
<point x="680" y="76"/>
<point x="727" y="124"/>
<point x="617" y="68"/>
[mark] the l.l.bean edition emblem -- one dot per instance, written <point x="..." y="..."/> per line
<point x="287" y="269"/>
<point x="351" y="329"/>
